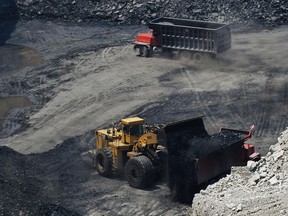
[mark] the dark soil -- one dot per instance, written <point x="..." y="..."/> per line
<point x="29" y="184"/>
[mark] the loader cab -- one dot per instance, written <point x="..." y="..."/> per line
<point x="132" y="129"/>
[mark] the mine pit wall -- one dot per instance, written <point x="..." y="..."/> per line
<point x="8" y="19"/>
<point x="8" y="10"/>
<point x="267" y="13"/>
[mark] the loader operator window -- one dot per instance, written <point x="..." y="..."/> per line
<point x="134" y="130"/>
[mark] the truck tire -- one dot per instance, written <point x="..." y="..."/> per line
<point x="185" y="56"/>
<point x="139" y="172"/>
<point x="141" y="51"/>
<point x="104" y="162"/>
<point x="146" y="52"/>
<point x="198" y="57"/>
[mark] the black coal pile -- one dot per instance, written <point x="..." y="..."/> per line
<point x="21" y="186"/>
<point x="20" y="191"/>
<point x="52" y="210"/>
<point x="194" y="155"/>
<point x="267" y="13"/>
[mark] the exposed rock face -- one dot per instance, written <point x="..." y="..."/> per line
<point x="8" y="10"/>
<point x="257" y="189"/>
<point x="269" y="13"/>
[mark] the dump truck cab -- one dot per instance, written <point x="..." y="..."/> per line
<point x="145" y="42"/>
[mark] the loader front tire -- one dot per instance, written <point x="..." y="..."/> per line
<point x="139" y="172"/>
<point x="104" y="162"/>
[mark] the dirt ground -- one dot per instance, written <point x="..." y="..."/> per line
<point x="88" y="76"/>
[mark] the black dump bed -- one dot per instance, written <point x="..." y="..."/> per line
<point x="195" y="157"/>
<point x="193" y="35"/>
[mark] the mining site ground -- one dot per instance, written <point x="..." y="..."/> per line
<point x="83" y="77"/>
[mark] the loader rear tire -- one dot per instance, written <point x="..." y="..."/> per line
<point x="139" y="172"/>
<point x="104" y="162"/>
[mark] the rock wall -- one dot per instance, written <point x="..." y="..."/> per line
<point x="257" y="189"/>
<point x="8" y="10"/>
<point x="262" y="12"/>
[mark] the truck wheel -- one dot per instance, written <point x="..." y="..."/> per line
<point x="139" y="172"/>
<point x="141" y="51"/>
<point x="185" y="56"/>
<point x="146" y="52"/>
<point x="198" y="57"/>
<point x="104" y="162"/>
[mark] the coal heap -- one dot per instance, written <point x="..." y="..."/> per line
<point x="21" y="186"/>
<point x="20" y="192"/>
<point x="267" y="13"/>
<point x="188" y="142"/>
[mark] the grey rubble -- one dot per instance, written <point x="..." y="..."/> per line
<point x="257" y="189"/>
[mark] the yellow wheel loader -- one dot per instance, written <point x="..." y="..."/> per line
<point x="131" y="148"/>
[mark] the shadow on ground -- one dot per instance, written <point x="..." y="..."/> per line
<point x="8" y="19"/>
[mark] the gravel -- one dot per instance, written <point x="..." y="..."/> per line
<point x="267" y="13"/>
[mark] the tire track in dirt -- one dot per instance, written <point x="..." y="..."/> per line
<point x="113" y="204"/>
<point x="95" y="94"/>
<point x="131" y="85"/>
<point x="267" y="104"/>
<point x="201" y="101"/>
<point x="246" y="95"/>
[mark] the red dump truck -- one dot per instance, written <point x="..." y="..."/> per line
<point x="195" y="157"/>
<point x="188" y="38"/>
